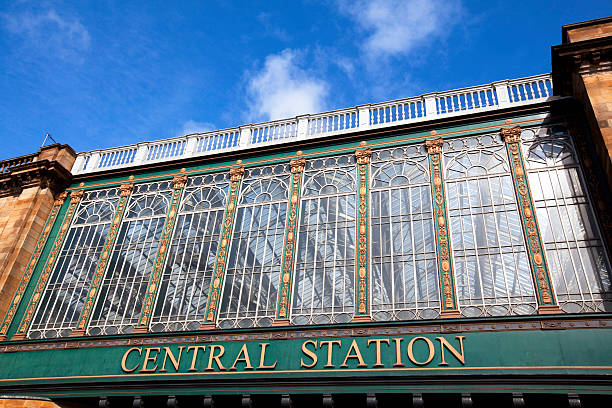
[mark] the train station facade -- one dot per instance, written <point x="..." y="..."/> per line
<point x="451" y="248"/>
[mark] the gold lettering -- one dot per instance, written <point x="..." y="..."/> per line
<point x="245" y="353"/>
<point x="262" y="358"/>
<point x="378" y="341"/>
<point x="398" y="354"/>
<point x="357" y="355"/>
<point x="309" y="353"/>
<point x="444" y="343"/>
<point x="330" y="347"/>
<point x="175" y="362"/>
<point x="411" y="354"/>
<point x="125" y="357"/>
<point x="195" y="355"/>
<point x="212" y="357"/>
<point x="148" y="358"/>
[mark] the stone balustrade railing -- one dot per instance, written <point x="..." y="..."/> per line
<point x="498" y="95"/>
<point x="7" y="165"/>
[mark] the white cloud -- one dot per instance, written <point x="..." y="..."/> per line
<point x="191" y="126"/>
<point x="396" y="27"/>
<point x="282" y="89"/>
<point x="49" y="33"/>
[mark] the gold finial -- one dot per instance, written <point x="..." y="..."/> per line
<point x="236" y="173"/>
<point x="363" y="156"/>
<point x="299" y="153"/>
<point x="61" y="198"/>
<point x="434" y="145"/>
<point x="183" y="170"/>
<point x="363" y="143"/>
<point x="179" y="182"/>
<point x="126" y="189"/>
<point x="511" y="135"/>
<point x="433" y="133"/>
<point x="297" y="165"/>
<point x="238" y="161"/>
<point x="131" y="177"/>
<point x="75" y="196"/>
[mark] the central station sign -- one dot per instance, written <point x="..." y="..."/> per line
<point x="417" y="351"/>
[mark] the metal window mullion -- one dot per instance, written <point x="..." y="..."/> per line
<point x="499" y="241"/>
<point x="565" y="206"/>
<point x="88" y="232"/>
<point x="63" y="259"/>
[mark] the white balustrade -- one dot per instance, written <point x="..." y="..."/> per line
<point x="274" y="131"/>
<point x="216" y="141"/>
<point x="333" y="121"/>
<point x="397" y="111"/>
<point x="530" y="89"/>
<point x="500" y="94"/>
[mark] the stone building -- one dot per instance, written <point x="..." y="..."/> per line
<point x="451" y="248"/>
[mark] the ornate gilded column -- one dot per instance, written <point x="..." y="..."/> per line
<point x="362" y="292"/>
<point x="92" y="294"/>
<point x="284" y="296"/>
<point x="449" y="307"/>
<point x="158" y="265"/>
<point x="27" y="275"/>
<point x="216" y="285"/>
<point x="547" y="303"/>
<point x="75" y="199"/>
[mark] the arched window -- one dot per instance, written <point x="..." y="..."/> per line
<point x="404" y="269"/>
<point x="492" y="271"/>
<point x="123" y="288"/>
<point x="577" y="260"/>
<point x="62" y="300"/>
<point x="185" y="283"/>
<point x="324" y="285"/>
<point x="251" y="284"/>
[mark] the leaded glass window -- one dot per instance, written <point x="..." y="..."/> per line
<point x="253" y="271"/>
<point x="185" y="283"/>
<point x="123" y="287"/>
<point x="324" y="285"/>
<point x="64" y="296"/>
<point x="404" y="269"/>
<point x="579" y="267"/>
<point x="492" y="271"/>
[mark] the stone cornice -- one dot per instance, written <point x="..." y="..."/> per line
<point x="583" y="57"/>
<point x="43" y="173"/>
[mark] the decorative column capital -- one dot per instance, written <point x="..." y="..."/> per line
<point x="297" y="165"/>
<point x="126" y="189"/>
<point x="434" y="146"/>
<point x="511" y="135"/>
<point x="363" y="156"/>
<point x="179" y="182"/>
<point x="76" y="196"/>
<point x="61" y="197"/>
<point x="236" y="173"/>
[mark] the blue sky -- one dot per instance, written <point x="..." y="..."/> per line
<point x="99" y="74"/>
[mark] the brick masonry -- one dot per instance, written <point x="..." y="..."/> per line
<point x="27" y="193"/>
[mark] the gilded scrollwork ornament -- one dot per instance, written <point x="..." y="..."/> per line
<point x="284" y="299"/>
<point x="537" y="258"/>
<point x="362" y="310"/>
<point x="210" y="316"/>
<point x="445" y="265"/>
